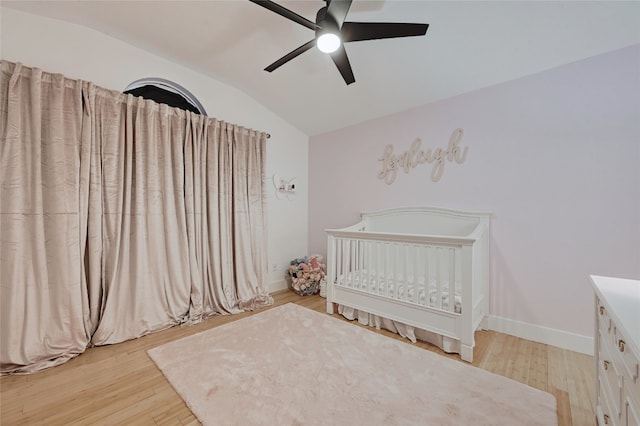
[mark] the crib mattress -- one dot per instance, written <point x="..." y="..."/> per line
<point x="400" y="289"/>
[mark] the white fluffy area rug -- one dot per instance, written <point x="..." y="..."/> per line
<point x="290" y="365"/>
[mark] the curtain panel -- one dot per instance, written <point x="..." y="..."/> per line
<point x="119" y="217"/>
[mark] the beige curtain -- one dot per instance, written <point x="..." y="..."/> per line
<point x="225" y="204"/>
<point x="120" y="217"/>
<point x="42" y="294"/>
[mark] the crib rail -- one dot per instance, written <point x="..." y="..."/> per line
<point x="418" y="269"/>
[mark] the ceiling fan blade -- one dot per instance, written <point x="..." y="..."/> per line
<point x="283" y="11"/>
<point x="289" y="56"/>
<point x="342" y="62"/>
<point x="360" y="31"/>
<point x="338" y="9"/>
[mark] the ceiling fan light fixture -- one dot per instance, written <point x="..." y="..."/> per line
<point x="328" y="42"/>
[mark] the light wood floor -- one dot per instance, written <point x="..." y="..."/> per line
<point x="120" y="385"/>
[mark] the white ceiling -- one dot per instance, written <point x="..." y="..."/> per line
<point x="469" y="45"/>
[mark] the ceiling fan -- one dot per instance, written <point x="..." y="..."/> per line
<point x="332" y="32"/>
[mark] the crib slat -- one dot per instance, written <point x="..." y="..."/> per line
<point x="416" y="281"/>
<point x="366" y="261"/>
<point x="378" y="264"/>
<point x="345" y="257"/>
<point x="361" y="262"/>
<point x="409" y="251"/>
<point x="339" y="272"/>
<point x="400" y="279"/>
<point x="457" y="290"/>
<point x="352" y="262"/>
<point x="427" y="277"/>
<point x="382" y="271"/>
<point x="371" y="266"/>
<point x="353" y="252"/>
<point x="438" y="303"/>
<point x="345" y="272"/>
<point x="403" y="278"/>
<point x="336" y="257"/>
<point x="452" y="280"/>
<point x="399" y="271"/>
<point x="392" y="268"/>
<point x="372" y="262"/>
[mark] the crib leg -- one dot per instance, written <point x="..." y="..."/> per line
<point x="330" y="308"/>
<point x="466" y="353"/>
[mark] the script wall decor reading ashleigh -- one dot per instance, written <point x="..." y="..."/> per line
<point x="415" y="155"/>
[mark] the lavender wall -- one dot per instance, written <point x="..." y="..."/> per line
<point x="554" y="156"/>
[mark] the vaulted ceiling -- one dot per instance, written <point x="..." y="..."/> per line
<point x="469" y="45"/>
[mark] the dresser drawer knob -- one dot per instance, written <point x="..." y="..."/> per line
<point x="621" y="345"/>
<point x="606" y="364"/>
<point x="601" y="310"/>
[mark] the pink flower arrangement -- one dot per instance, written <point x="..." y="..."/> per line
<point x="305" y="273"/>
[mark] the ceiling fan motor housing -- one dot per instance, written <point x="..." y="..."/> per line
<point x="326" y="24"/>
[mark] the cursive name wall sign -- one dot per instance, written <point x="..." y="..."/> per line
<point x="415" y="155"/>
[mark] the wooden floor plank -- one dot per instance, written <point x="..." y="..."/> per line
<point x="539" y="368"/>
<point x="119" y="384"/>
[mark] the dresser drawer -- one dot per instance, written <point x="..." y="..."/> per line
<point x="611" y="378"/>
<point x="633" y="414"/>
<point x="605" y="324"/>
<point x="631" y="367"/>
<point x="631" y="401"/>
<point x="609" y="415"/>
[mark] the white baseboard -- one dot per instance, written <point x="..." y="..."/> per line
<point x="276" y="285"/>
<point x="549" y="336"/>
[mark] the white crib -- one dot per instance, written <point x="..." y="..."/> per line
<point x="420" y="266"/>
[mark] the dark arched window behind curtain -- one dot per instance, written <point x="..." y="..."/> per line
<point x="163" y="96"/>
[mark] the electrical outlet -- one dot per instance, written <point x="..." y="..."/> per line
<point x="274" y="267"/>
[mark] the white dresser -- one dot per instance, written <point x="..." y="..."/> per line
<point x="617" y="350"/>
